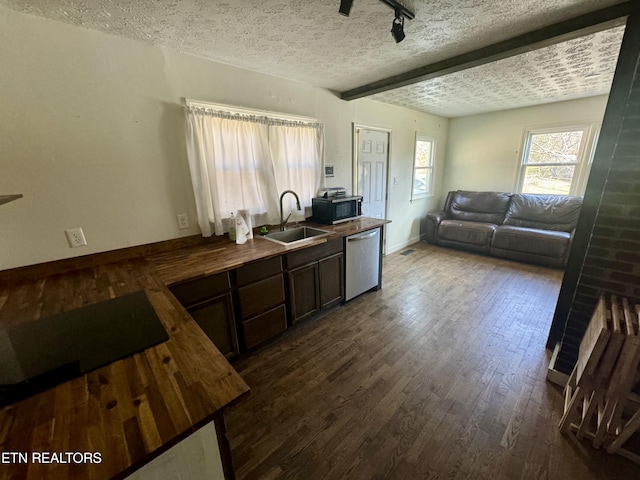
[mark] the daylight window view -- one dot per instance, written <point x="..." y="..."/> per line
<point x="423" y="168"/>
<point x="551" y="161"/>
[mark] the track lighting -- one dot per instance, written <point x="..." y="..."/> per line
<point x="345" y="7"/>
<point x="401" y="12"/>
<point x="397" y="27"/>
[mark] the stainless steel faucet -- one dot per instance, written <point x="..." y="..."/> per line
<point x="283" y="221"/>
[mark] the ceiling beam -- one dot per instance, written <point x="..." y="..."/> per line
<point x="559" y="32"/>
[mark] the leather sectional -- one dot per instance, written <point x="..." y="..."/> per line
<point x="526" y="227"/>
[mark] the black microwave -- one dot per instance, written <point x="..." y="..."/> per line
<point x="332" y="210"/>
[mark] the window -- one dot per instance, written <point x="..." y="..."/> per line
<point x="423" y="168"/>
<point x="555" y="161"/>
<point x="242" y="158"/>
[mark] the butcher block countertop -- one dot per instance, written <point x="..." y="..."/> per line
<point x="130" y="410"/>
<point x="193" y="262"/>
<point x="135" y="408"/>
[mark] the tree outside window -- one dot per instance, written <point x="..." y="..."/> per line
<point x="553" y="160"/>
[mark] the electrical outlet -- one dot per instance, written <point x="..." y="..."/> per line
<point x="75" y="236"/>
<point x="183" y="221"/>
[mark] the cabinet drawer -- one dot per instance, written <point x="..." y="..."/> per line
<point x="311" y="254"/>
<point x="256" y="271"/>
<point x="264" y="327"/>
<point x="261" y="296"/>
<point x="192" y="291"/>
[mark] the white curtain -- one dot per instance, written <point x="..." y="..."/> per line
<point x="230" y="165"/>
<point x="239" y="161"/>
<point x="297" y="161"/>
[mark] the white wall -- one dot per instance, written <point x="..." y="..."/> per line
<point x="484" y="151"/>
<point x="197" y="456"/>
<point x="91" y="132"/>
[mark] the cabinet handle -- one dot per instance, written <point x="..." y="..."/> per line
<point x="362" y="237"/>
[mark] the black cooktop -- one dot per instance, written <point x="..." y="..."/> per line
<point x="40" y="354"/>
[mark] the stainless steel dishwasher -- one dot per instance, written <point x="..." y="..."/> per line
<point x="362" y="262"/>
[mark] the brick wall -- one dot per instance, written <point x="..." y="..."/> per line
<point x="610" y="260"/>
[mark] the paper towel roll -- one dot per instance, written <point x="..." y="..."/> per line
<point x="241" y="230"/>
<point x="245" y="213"/>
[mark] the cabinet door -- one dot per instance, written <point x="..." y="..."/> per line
<point x="215" y="317"/>
<point x="331" y="280"/>
<point x="304" y="292"/>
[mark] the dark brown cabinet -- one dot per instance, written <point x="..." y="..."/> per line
<point x="208" y="300"/>
<point x="261" y="301"/>
<point x="331" y="273"/>
<point x="243" y="308"/>
<point x="261" y="296"/>
<point x="215" y="317"/>
<point x="265" y="326"/>
<point x="304" y="292"/>
<point x="316" y="279"/>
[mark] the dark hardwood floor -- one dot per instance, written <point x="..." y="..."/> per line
<point x="439" y="375"/>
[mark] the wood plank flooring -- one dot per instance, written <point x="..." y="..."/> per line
<point x="439" y="375"/>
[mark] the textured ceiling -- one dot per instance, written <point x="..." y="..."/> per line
<point x="309" y="41"/>
<point x="578" y="68"/>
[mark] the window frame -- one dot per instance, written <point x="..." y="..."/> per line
<point x="431" y="167"/>
<point x="581" y="165"/>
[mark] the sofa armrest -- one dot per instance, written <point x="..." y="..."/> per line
<point x="433" y="220"/>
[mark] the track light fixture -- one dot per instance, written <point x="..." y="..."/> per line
<point x="345" y="7"/>
<point x="398" y="7"/>
<point x="397" y="27"/>
<point x="401" y="12"/>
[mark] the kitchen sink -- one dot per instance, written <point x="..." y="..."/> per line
<point x="295" y="236"/>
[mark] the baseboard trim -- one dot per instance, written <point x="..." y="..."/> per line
<point x="401" y="245"/>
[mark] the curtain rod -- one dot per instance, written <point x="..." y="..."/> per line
<point x="249" y="111"/>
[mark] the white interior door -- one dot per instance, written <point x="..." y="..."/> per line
<point x="371" y="161"/>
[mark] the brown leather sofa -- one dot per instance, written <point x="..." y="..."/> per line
<point x="526" y="227"/>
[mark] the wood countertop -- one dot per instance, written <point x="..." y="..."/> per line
<point x="131" y="410"/>
<point x="135" y="408"/>
<point x="193" y="262"/>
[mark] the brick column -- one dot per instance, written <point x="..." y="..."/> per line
<point x="605" y="257"/>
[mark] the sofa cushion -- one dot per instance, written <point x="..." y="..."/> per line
<point x="462" y="231"/>
<point x="528" y="240"/>
<point x="546" y="212"/>
<point x="488" y="207"/>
